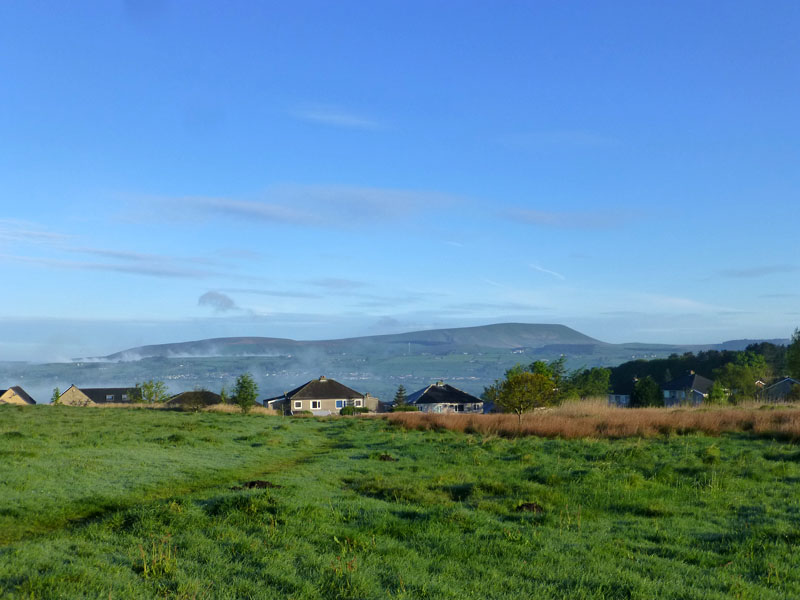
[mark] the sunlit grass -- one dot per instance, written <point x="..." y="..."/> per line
<point x="146" y="504"/>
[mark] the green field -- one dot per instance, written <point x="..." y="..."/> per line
<point x="115" y="503"/>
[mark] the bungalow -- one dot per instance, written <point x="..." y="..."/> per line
<point x="783" y="390"/>
<point x="74" y="396"/>
<point x="15" y="395"/>
<point x="689" y="389"/>
<point x="442" y="397"/>
<point x="321" y="396"/>
<point x="193" y="400"/>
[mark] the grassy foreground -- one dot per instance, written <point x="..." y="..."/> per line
<point x="139" y="504"/>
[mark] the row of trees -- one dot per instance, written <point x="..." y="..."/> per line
<point x="541" y="384"/>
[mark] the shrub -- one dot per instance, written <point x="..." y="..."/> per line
<point x="353" y="410"/>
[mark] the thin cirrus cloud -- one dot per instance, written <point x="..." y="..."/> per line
<point x="547" y="272"/>
<point x="151" y="269"/>
<point x="336" y="117"/>
<point x="320" y="206"/>
<point x="12" y="230"/>
<point x="762" y="271"/>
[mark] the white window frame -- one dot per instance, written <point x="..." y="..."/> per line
<point x="109" y="397"/>
<point x="124" y="397"/>
<point x="341" y="403"/>
<point x="316" y="405"/>
<point x="358" y="402"/>
<point x="297" y="404"/>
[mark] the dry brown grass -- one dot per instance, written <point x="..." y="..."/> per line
<point x="221" y="408"/>
<point x="595" y="419"/>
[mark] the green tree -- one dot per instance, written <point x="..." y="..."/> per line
<point x="151" y="392"/>
<point x="523" y="391"/>
<point x="55" y="399"/>
<point x="223" y="395"/>
<point x="245" y="392"/>
<point x="793" y="355"/>
<point x="717" y="394"/>
<point x="591" y="382"/>
<point x="646" y="392"/>
<point x="400" y="398"/>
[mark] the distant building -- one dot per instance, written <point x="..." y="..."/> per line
<point x="442" y="397"/>
<point x="15" y="395"/>
<point x="689" y="389"/>
<point x="783" y="390"/>
<point x="193" y="400"/>
<point x="75" y="396"/>
<point x="321" y="397"/>
<point x="619" y="399"/>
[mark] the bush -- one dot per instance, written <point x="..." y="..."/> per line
<point x="405" y="408"/>
<point x="353" y="410"/>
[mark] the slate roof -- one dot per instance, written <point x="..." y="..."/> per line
<point x="23" y="395"/>
<point x="98" y="395"/>
<point x="319" y="389"/>
<point x="441" y="393"/>
<point x="690" y="381"/>
<point x="194" y="397"/>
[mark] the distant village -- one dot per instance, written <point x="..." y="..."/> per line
<point x="324" y="397"/>
<point x="319" y="397"/>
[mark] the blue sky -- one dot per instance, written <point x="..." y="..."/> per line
<point x="182" y="170"/>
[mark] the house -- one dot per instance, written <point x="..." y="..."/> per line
<point x="442" y="397"/>
<point x="15" y="395"/>
<point x="783" y="390"/>
<point x="75" y="396"/>
<point x="193" y="400"/>
<point x="689" y="389"/>
<point x="619" y="399"/>
<point x="321" y="397"/>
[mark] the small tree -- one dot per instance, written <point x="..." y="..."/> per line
<point x="56" y="397"/>
<point x="793" y="355"/>
<point x="523" y="391"/>
<point x="646" y="392"/>
<point x="245" y="392"/>
<point x="151" y="391"/>
<point x="400" y="398"/>
<point x="717" y="394"/>
<point x="223" y="395"/>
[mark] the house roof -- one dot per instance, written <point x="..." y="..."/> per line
<point x="194" y="397"/>
<point x="20" y="393"/>
<point x="441" y="393"/>
<point x="319" y="389"/>
<point x="786" y="381"/>
<point x="98" y="395"/>
<point x="690" y="381"/>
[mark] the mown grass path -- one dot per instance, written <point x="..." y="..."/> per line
<point x="138" y="504"/>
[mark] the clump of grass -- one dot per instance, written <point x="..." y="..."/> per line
<point x="594" y="420"/>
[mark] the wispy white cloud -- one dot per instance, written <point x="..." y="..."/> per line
<point x="152" y="269"/>
<point x="336" y="117"/>
<point x="12" y="230"/>
<point x="321" y="206"/>
<point x="547" y="272"/>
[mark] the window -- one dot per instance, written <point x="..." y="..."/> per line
<point x="315" y="404"/>
<point x="298" y="404"/>
<point x="124" y="397"/>
<point x="358" y="402"/>
<point x="109" y="397"/>
<point x="340" y="403"/>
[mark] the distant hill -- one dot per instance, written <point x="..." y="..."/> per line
<point x="504" y="336"/>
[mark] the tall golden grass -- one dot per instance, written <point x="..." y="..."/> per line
<point x="220" y="408"/>
<point x="595" y="419"/>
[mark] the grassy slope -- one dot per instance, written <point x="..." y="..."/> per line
<point x="137" y="504"/>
